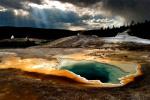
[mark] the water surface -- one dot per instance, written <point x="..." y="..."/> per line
<point x="92" y="70"/>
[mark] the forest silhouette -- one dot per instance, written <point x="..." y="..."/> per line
<point x="141" y="30"/>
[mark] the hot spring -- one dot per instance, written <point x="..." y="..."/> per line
<point x="88" y="72"/>
<point x="91" y="70"/>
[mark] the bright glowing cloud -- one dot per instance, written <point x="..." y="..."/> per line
<point x="20" y="12"/>
<point x="2" y="9"/>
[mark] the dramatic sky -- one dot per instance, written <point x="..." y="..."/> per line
<point x="72" y="14"/>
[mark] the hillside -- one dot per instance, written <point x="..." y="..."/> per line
<point x="77" y="41"/>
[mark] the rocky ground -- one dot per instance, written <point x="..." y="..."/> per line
<point x="19" y="85"/>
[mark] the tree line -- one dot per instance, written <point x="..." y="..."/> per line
<point x="137" y="29"/>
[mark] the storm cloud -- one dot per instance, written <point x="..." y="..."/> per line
<point x="86" y="14"/>
<point x="17" y="4"/>
<point x="137" y="10"/>
<point x="45" y="18"/>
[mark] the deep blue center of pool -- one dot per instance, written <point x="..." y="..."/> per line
<point x="91" y="70"/>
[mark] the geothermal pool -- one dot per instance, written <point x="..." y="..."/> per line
<point x="87" y="72"/>
<point x="92" y="70"/>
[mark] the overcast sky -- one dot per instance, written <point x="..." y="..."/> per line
<point x="72" y="14"/>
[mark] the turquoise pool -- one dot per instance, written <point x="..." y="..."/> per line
<point x="92" y="70"/>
